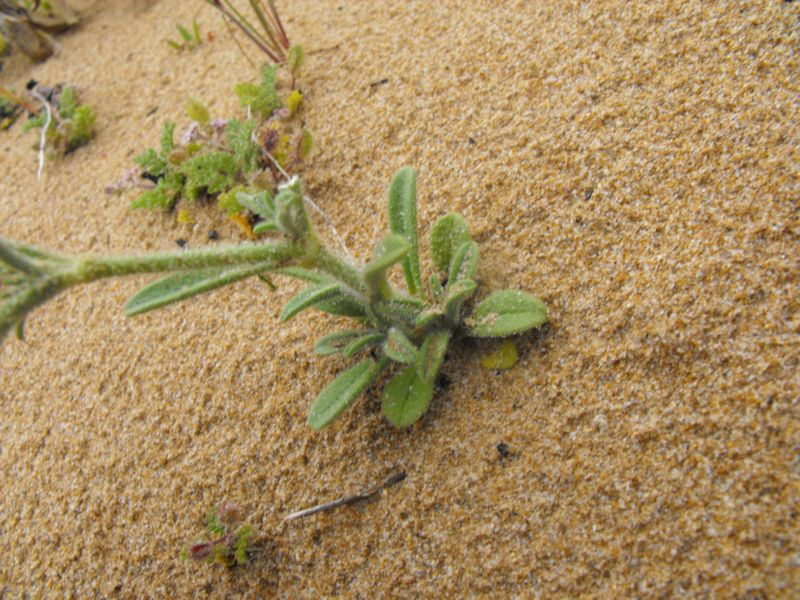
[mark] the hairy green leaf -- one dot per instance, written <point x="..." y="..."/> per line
<point x="390" y="250"/>
<point x="264" y="227"/>
<point x="435" y="286"/>
<point x="403" y="221"/>
<point x="397" y="310"/>
<point x="290" y="214"/>
<point x="428" y="316"/>
<point x="361" y="342"/>
<point x="68" y="102"/>
<point x="167" y="141"/>
<point x="448" y="234"/>
<point x="306" y="143"/>
<point x="152" y="199"/>
<point x="341" y="392"/>
<point x="398" y="347"/>
<point x="304" y="274"/>
<point x="244" y="539"/>
<point x="295" y="58"/>
<point x="79" y="128"/>
<point x="431" y="355"/>
<point x="337" y="342"/>
<point x="259" y="203"/>
<point x="213" y="524"/>
<point x="34" y="122"/>
<point x="464" y="263"/>
<point x="213" y="173"/>
<point x="308" y="297"/>
<point x="506" y="312"/>
<point x="240" y="140"/>
<point x="343" y="305"/>
<point x="182" y="285"/>
<point x="406" y="397"/>
<point x="457" y="294"/>
<point x="197" y="111"/>
<point x="262" y="98"/>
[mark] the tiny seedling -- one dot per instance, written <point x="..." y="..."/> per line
<point x="66" y="125"/>
<point x="231" y="544"/>
<point x="409" y="328"/>
<point x="188" y="41"/>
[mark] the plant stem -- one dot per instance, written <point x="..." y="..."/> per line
<point x="274" y="255"/>
<point x="344" y="272"/>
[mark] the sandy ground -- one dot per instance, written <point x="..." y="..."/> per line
<point x="634" y="164"/>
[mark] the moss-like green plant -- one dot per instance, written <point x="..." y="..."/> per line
<point x="70" y="127"/>
<point x="214" y="158"/>
<point x="409" y="328"/>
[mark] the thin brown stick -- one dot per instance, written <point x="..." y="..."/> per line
<point x="11" y="96"/>
<point x="236" y="41"/>
<point x="394" y="478"/>
<point x="268" y="25"/>
<point x="277" y="19"/>
<point x="246" y="30"/>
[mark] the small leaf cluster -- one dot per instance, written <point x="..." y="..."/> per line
<point x="231" y="543"/>
<point x="215" y="159"/>
<point x="189" y="41"/>
<point x="71" y="123"/>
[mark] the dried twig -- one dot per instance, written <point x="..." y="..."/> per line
<point x="395" y="477"/>
<point x="17" y="99"/>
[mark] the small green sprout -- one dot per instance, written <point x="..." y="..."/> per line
<point x="232" y="544"/>
<point x="70" y="125"/>
<point x="189" y="41"/>
<point x="409" y="328"/>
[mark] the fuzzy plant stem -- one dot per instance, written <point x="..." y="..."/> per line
<point x="48" y="275"/>
<point x="273" y="256"/>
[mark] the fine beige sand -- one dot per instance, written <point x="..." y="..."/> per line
<point x="633" y="164"/>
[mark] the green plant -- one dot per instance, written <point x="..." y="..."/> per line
<point x="410" y="328"/>
<point x="69" y="124"/>
<point x="9" y="110"/>
<point x="215" y="159"/>
<point x="189" y="41"/>
<point x="231" y="543"/>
